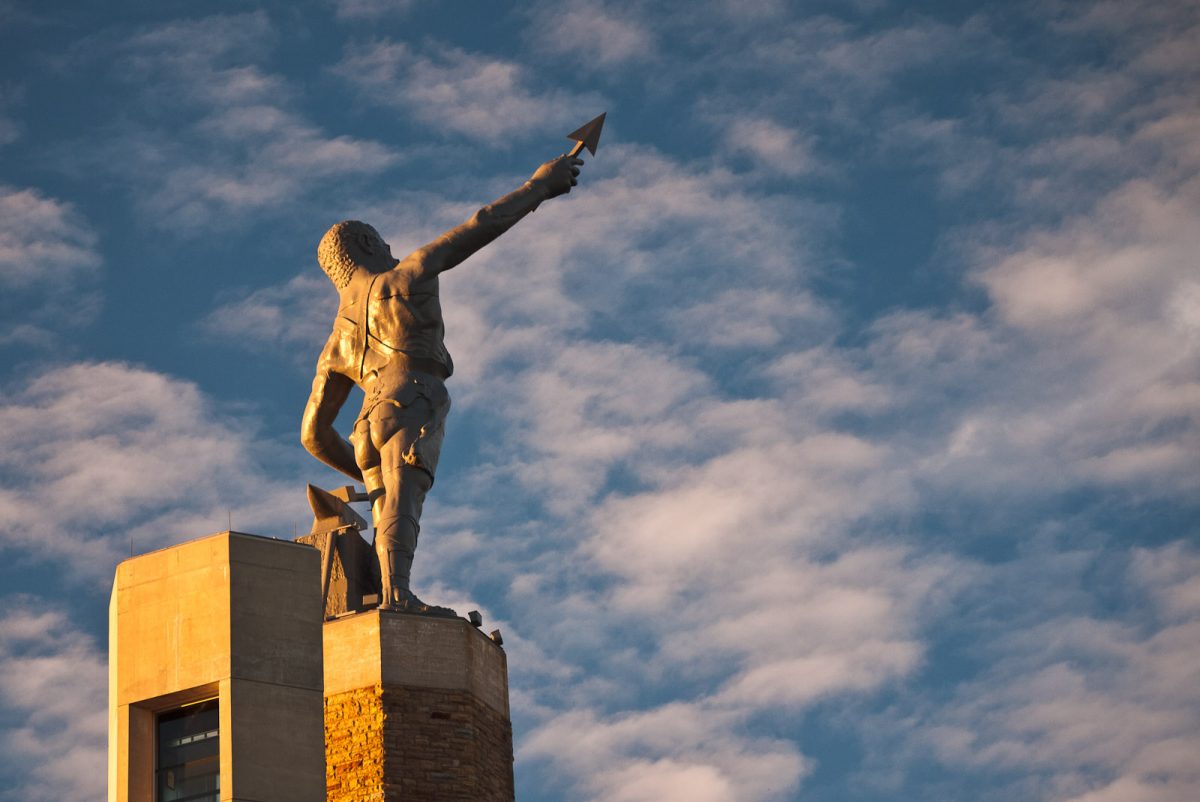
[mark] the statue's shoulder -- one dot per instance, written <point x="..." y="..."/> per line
<point x="405" y="278"/>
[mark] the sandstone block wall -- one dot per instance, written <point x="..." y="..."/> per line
<point x="396" y="743"/>
<point x="354" y="746"/>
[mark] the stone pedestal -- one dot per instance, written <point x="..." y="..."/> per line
<point x="416" y="709"/>
<point x="231" y="617"/>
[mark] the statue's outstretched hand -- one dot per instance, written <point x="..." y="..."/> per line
<point x="558" y="175"/>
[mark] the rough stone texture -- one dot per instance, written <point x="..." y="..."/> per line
<point x="393" y="743"/>
<point x="416" y="710"/>
<point x="353" y="573"/>
<point x="232" y="616"/>
<point x="354" y="746"/>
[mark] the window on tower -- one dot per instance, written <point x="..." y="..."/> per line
<point x="188" y="760"/>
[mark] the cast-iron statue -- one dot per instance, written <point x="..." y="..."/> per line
<point x="387" y="339"/>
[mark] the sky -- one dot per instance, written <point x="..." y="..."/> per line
<point x="836" y="439"/>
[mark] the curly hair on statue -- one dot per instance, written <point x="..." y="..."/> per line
<point x="335" y="252"/>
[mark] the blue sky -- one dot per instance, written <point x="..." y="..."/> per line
<point x="837" y="439"/>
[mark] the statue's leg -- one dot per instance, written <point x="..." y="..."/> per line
<point x="396" y="530"/>
<point x="407" y="433"/>
<point x="366" y="454"/>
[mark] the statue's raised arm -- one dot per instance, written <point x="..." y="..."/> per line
<point x="388" y="339"/>
<point x="554" y="178"/>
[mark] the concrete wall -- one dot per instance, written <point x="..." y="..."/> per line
<point x="233" y="616"/>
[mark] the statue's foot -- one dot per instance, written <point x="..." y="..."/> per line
<point x="400" y="599"/>
<point x="405" y="601"/>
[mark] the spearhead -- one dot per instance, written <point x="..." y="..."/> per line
<point x="587" y="136"/>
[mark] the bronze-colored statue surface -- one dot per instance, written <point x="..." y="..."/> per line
<point x="387" y="339"/>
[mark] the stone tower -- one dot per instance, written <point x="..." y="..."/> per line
<point x="215" y="673"/>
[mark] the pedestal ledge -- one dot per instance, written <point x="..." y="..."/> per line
<point x="386" y="648"/>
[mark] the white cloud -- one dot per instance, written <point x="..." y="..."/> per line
<point x="53" y="682"/>
<point x="1171" y="577"/>
<point x="823" y="381"/>
<point x="270" y="157"/>
<point x="778" y="149"/>
<point x="1082" y="370"/>
<point x="235" y="144"/>
<point x="743" y="318"/>
<point x="470" y="94"/>
<point x="151" y="462"/>
<point x="42" y="240"/>
<point x="1081" y="706"/>
<point x="293" y="318"/>
<point x="645" y="241"/>
<point x="1097" y="320"/>
<point x="847" y="63"/>
<point x="49" y="255"/>
<point x="1081" y="373"/>
<point x="195" y="43"/>
<point x="371" y="9"/>
<point x="718" y="523"/>
<point x="694" y="756"/>
<point x="1102" y="275"/>
<point x="593" y="34"/>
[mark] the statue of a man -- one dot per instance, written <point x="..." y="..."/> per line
<point x="388" y="339"/>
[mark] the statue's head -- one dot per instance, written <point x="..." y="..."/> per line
<point x="352" y="245"/>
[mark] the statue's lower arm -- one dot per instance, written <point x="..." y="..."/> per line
<point x="554" y="178"/>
